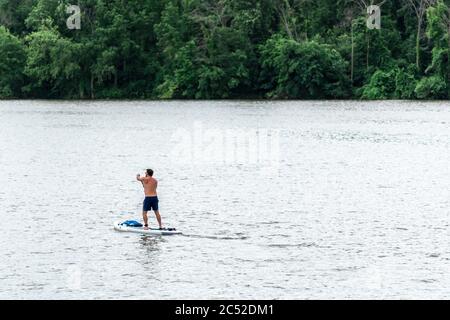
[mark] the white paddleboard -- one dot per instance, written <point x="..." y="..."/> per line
<point x="153" y="231"/>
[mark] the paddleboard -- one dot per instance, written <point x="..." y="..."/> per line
<point x="153" y="231"/>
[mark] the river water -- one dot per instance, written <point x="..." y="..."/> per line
<point x="276" y="200"/>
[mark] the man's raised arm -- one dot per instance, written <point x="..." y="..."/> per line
<point x="138" y="178"/>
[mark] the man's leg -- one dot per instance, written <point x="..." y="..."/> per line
<point x="144" y="215"/>
<point x="158" y="217"/>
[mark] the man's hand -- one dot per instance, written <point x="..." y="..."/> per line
<point x="138" y="177"/>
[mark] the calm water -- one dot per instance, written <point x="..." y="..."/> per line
<point x="348" y="200"/>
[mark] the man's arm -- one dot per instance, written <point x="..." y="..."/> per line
<point x="138" y="178"/>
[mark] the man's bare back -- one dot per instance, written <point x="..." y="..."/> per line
<point x="150" y="184"/>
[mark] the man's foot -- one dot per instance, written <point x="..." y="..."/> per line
<point x="146" y="227"/>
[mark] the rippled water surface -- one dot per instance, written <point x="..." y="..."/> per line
<point x="352" y="200"/>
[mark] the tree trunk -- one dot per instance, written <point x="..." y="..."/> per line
<point x="284" y="12"/>
<point x="448" y="52"/>
<point x="81" y="89"/>
<point x="286" y="27"/>
<point x="368" y="50"/>
<point x="419" y="30"/>
<point x="92" y="87"/>
<point x="352" y="68"/>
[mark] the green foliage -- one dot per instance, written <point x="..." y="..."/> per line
<point x="405" y="84"/>
<point x="208" y="49"/>
<point x="226" y="66"/>
<point x="392" y="84"/>
<point x="433" y="87"/>
<point x="13" y="13"/>
<point x="182" y="81"/>
<point x="52" y="63"/>
<point x="211" y="63"/>
<point x="380" y="86"/>
<point x="306" y="70"/>
<point x="12" y="62"/>
<point x="438" y="31"/>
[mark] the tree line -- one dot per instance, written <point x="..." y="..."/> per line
<point x="216" y="49"/>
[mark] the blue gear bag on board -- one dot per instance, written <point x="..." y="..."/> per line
<point x="132" y="223"/>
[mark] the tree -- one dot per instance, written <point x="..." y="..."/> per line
<point x="306" y="70"/>
<point x="288" y="17"/>
<point x="419" y="7"/>
<point x="206" y="49"/>
<point x="52" y="64"/>
<point x="13" y="14"/>
<point x="11" y="64"/>
<point x="380" y="86"/>
<point x="437" y="83"/>
<point x="397" y="83"/>
<point x="405" y="83"/>
<point x="205" y="39"/>
<point x="433" y="87"/>
<point x="438" y="31"/>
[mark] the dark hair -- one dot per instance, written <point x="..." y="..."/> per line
<point x="150" y="172"/>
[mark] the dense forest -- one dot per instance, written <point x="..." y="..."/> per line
<point x="214" y="49"/>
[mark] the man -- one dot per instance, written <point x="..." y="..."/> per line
<point x="151" y="198"/>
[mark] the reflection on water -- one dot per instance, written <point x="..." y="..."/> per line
<point x="351" y="201"/>
<point x="150" y="243"/>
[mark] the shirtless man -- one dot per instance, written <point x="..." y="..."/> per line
<point x="151" y="198"/>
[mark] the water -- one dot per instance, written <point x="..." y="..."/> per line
<point x="352" y="200"/>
